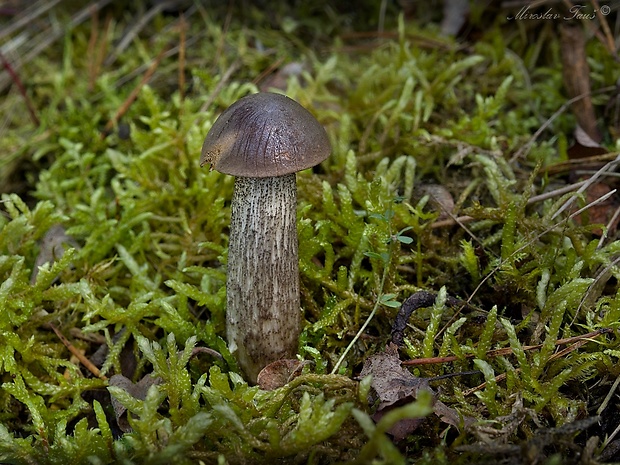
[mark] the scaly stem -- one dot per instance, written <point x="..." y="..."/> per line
<point x="262" y="290"/>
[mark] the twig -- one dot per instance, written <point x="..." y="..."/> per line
<point x="604" y="274"/>
<point x="591" y="180"/>
<point x="537" y="237"/>
<point x="603" y="406"/>
<point x="609" y="42"/>
<point x="609" y="396"/>
<point x="610" y="224"/>
<point x="83" y="360"/>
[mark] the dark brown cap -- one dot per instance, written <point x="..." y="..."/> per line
<point x="264" y="135"/>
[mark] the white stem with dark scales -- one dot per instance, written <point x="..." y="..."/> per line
<point x="263" y="310"/>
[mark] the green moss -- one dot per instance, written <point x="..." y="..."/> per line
<point x="147" y="271"/>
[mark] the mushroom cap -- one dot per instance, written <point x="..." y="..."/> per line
<point x="264" y="135"/>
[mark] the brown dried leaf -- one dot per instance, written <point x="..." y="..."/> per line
<point x="396" y="386"/>
<point x="439" y="198"/>
<point x="390" y="380"/>
<point x="279" y="373"/>
<point x="584" y="146"/>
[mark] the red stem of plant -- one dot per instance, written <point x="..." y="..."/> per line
<point x="22" y="89"/>
<point x="505" y="350"/>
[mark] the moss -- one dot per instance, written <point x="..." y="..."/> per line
<point x="145" y="270"/>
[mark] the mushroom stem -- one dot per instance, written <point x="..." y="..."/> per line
<point x="263" y="309"/>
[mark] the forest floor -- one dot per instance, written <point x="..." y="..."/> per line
<point x="459" y="252"/>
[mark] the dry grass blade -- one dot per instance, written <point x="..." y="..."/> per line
<point x="83" y="360"/>
<point x="609" y="37"/>
<point x="47" y="37"/>
<point x="600" y="280"/>
<point x="587" y="184"/>
<point x="538" y="236"/>
<point x="135" y="30"/>
<point x="220" y="85"/>
<point x="536" y="198"/>
<point x="28" y="16"/>
<point x="145" y="67"/>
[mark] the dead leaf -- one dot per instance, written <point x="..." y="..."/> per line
<point x="390" y="380"/>
<point x="127" y="356"/>
<point x="504" y="427"/>
<point x="279" y="373"/>
<point x="137" y="390"/>
<point x="584" y="146"/>
<point x="439" y="198"/>
<point x="394" y="385"/>
<point x="52" y="248"/>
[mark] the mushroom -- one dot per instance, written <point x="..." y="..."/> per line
<point x="263" y="140"/>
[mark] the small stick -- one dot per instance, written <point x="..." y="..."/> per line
<point x="508" y="350"/>
<point x="83" y="360"/>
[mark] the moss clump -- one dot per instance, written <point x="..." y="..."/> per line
<point x="143" y="269"/>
